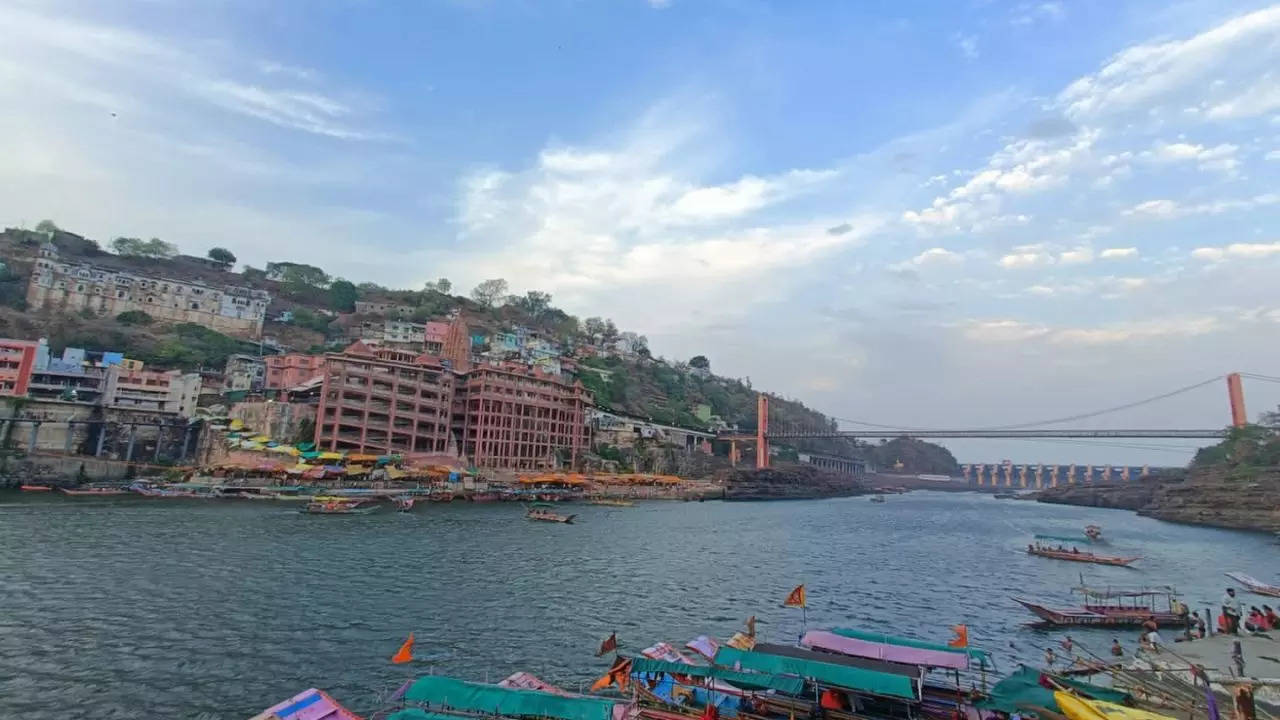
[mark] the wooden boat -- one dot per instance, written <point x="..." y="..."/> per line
<point x="93" y="491"/>
<point x="1005" y="496"/>
<point x="404" y="503"/>
<point x="1254" y="585"/>
<point x="1113" y="607"/>
<point x="1093" y="532"/>
<point x="1074" y="555"/>
<point x="338" y="507"/>
<point x="35" y="488"/>
<point x="877" y="498"/>
<point x="543" y="513"/>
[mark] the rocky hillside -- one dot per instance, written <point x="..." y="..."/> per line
<point x="793" y="482"/>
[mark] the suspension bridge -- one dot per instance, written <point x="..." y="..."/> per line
<point x="768" y="432"/>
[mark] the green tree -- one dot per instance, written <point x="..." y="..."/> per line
<point x="442" y="286"/>
<point x="222" y="256"/>
<point x="534" y="303"/>
<point x="489" y="292"/>
<point x="700" y="361"/>
<point x="594" y="328"/>
<point x="133" y="317"/>
<point x="342" y="296"/>
<point x="154" y="248"/>
<point x="299" y="274"/>
<point x="47" y="227"/>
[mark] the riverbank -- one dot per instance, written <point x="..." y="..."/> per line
<point x="793" y="482"/>
<point x="1216" y="497"/>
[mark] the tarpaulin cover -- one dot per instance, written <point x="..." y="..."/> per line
<point x="876" y="637"/>
<point x="823" y="673"/>
<point x="529" y="681"/>
<point x="1077" y="708"/>
<point x="478" y="698"/>
<point x="763" y="681"/>
<point x="664" y="651"/>
<point x="1022" y="691"/>
<point x="704" y="645"/>
<point x="822" y="640"/>
<point x="308" y="705"/>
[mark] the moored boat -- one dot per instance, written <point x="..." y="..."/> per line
<point x="543" y="513"/>
<point x="1113" y="607"/>
<point x="1254" y="585"/>
<point x="93" y="491"/>
<point x="877" y="498"/>
<point x="338" y="506"/>
<point x="610" y="502"/>
<point x="1075" y="555"/>
<point x="307" y="705"/>
<point x="404" y="503"/>
<point x="35" y="488"/>
<point x="1005" y="496"/>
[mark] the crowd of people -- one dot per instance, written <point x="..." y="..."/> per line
<point x="1233" y="617"/>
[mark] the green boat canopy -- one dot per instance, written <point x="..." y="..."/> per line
<point x="755" y="681"/>
<point x="975" y="653"/>
<point x="822" y="673"/>
<point x="420" y="714"/>
<point x="1022" y="691"/>
<point x="479" y="698"/>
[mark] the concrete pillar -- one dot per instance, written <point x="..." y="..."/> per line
<point x="102" y="438"/>
<point x="31" y="442"/>
<point x="133" y="431"/>
<point x="71" y="430"/>
<point x="1235" y="396"/>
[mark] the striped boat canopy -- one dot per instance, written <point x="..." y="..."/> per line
<point x="975" y="653"/>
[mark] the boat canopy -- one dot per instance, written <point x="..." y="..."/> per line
<point x="870" y="681"/>
<point x="1080" y="709"/>
<point x="492" y="699"/>
<point x="914" y="672"/>
<point x="1112" y="593"/>
<point x="1022" y="691"/>
<point x="975" y="653"/>
<point x="756" y="681"/>
<point x="954" y="658"/>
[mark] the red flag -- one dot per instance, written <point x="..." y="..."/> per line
<point x="961" y="640"/>
<point x="609" y="645"/>
<point x="405" y="653"/>
<point x="795" y="598"/>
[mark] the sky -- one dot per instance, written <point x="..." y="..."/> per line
<point x="963" y="213"/>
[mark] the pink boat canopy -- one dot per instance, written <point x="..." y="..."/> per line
<point x="830" y="642"/>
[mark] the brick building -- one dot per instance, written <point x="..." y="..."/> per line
<point x="72" y="287"/>
<point x="384" y="401"/>
<point x="291" y="370"/>
<point x="514" y="419"/>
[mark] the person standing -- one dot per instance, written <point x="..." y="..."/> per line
<point x="1232" y="611"/>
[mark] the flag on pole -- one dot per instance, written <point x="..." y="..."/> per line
<point x="961" y="640"/>
<point x="610" y="644"/>
<point x="795" y="598"/>
<point x="751" y="626"/>
<point x="405" y="653"/>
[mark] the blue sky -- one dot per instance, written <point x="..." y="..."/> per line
<point x="925" y="214"/>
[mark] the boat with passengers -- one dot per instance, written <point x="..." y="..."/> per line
<point x="1114" y="607"/>
<point x="1075" y="554"/>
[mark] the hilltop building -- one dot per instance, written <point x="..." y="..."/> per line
<point x="70" y="286"/>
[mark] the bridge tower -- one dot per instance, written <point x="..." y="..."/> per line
<point x="1039" y="475"/>
<point x="762" y="427"/>
<point x="1235" y="394"/>
<point x="1053" y="476"/>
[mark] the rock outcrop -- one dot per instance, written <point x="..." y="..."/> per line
<point x="1219" y="497"/>
<point x="796" y="482"/>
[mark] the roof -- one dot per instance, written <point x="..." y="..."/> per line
<point x="976" y="653"/>
<point x="954" y="658"/>
<point x="822" y="673"/>
<point x="479" y="698"/>
<point x="893" y="668"/>
<point x="762" y="681"/>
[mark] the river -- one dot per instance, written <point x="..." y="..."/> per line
<point x="209" y="609"/>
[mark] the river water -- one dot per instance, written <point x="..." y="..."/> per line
<point x="206" y="609"/>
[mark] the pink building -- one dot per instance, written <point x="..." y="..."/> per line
<point x="291" y="370"/>
<point x="17" y="360"/>
<point x="435" y="337"/>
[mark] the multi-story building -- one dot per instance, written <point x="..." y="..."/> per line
<point x="70" y="287"/>
<point x="368" y="307"/>
<point x="433" y="336"/>
<point x="72" y="377"/>
<point x="171" y="392"/>
<point x="17" y="361"/>
<point x="514" y="419"/>
<point x="382" y="400"/>
<point x="244" y="373"/>
<point x="404" y="334"/>
<point x="291" y="370"/>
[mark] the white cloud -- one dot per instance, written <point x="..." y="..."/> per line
<point x="1017" y="331"/>
<point x="1042" y="290"/>
<point x="1150" y="77"/>
<point x="1237" y="250"/>
<point x="1118" y="253"/>
<point x="1078" y="256"/>
<point x="968" y="45"/>
<point x="1273" y="155"/>
<point x="937" y="256"/>
<point x="1221" y="158"/>
<point x="1031" y="13"/>
<point x="1164" y="209"/>
<point x="658" y="4"/>
<point x="1022" y="260"/>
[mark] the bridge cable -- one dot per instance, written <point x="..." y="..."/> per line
<point x="1055" y="421"/>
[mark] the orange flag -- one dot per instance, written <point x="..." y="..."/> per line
<point x="796" y="598"/>
<point x="405" y="653"/>
<point x="617" y="675"/>
<point x="961" y="640"/>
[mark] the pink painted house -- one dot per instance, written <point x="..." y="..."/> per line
<point x="435" y="336"/>
<point x="291" y="370"/>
